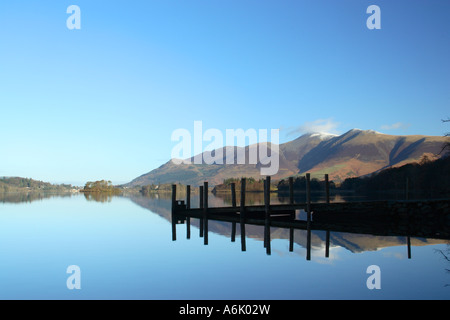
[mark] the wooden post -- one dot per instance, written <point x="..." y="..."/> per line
<point x="233" y="204"/>
<point x="291" y="239"/>
<point x="291" y="201"/>
<point x="242" y="212"/>
<point x="408" y="242"/>
<point x="188" y="206"/>
<point x="233" y="231"/>
<point x="327" y="244"/>
<point x="205" y="212"/>
<point x="308" y="223"/>
<point x="233" y="194"/>
<point x="174" y="203"/>
<point x="188" y="197"/>
<point x="291" y="190"/>
<point x="174" y="197"/>
<point x="308" y="239"/>
<point x="205" y="196"/>
<point x="200" y="189"/>
<point x="308" y="193"/>
<point x="201" y="207"/>
<point x="327" y="189"/>
<point x="267" y="237"/>
<point x="267" y="214"/>
<point x="242" y="215"/>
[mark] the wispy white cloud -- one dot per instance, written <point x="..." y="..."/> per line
<point x="319" y="125"/>
<point x="397" y="125"/>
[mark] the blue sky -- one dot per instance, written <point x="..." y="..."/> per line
<point x="102" y="102"/>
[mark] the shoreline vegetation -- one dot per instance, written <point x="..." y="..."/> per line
<point x="24" y="185"/>
<point x="427" y="178"/>
<point x="101" y="186"/>
<point x="100" y="191"/>
<point x="251" y="185"/>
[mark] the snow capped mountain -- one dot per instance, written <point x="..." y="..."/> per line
<point x="354" y="153"/>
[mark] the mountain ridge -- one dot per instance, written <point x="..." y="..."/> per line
<point x="354" y="153"/>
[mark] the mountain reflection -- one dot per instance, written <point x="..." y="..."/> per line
<point x="312" y="240"/>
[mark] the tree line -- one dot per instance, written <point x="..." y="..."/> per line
<point x="427" y="178"/>
<point x="299" y="183"/>
<point x="101" y="186"/>
<point x="251" y="185"/>
<point x="18" y="184"/>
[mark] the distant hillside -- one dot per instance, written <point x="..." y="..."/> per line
<point x="352" y="154"/>
<point x="18" y="184"/>
<point x="424" y="179"/>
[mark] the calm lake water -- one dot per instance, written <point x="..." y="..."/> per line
<point x="124" y="250"/>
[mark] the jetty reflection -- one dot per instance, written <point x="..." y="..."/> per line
<point x="379" y="218"/>
<point x="239" y="227"/>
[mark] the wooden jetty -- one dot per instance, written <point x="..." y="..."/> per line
<point x="408" y="218"/>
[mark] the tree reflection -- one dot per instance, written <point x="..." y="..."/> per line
<point x="19" y="197"/>
<point x="446" y="255"/>
<point x="98" y="197"/>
